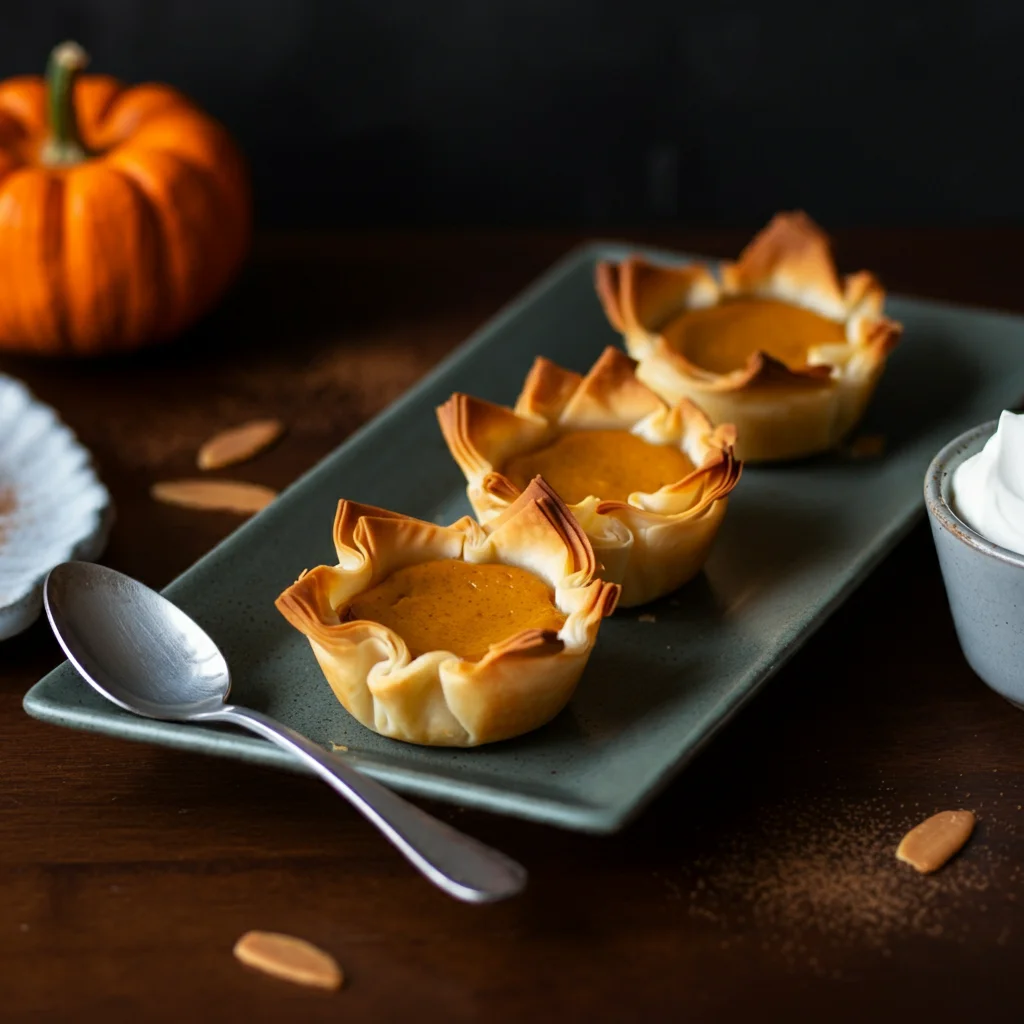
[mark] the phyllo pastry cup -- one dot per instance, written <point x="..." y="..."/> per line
<point x="650" y="541"/>
<point x="781" y="346"/>
<point x="436" y="697"/>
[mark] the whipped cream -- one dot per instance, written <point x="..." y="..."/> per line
<point x="988" y="489"/>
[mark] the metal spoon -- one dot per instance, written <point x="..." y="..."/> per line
<point x="147" y="656"/>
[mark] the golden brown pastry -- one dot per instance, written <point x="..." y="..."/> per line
<point x="648" y="483"/>
<point x="454" y="635"/>
<point x="782" y="347"/>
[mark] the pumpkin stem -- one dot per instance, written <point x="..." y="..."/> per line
<point x="64" y="146"/>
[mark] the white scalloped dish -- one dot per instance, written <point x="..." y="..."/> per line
<point x="52" y="505"/>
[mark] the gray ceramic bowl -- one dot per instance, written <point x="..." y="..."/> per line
<point x="984" y="582"/>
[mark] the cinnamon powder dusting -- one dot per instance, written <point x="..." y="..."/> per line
<point x="7" y="505"/>
<point x="324" y="395"/>
<point x="809" y="883"/>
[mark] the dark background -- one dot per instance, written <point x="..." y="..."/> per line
<point x="584" y="113"/>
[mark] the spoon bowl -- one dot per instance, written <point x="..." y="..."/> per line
<point x="134" y="646"/>
<point x="147" y="656"/>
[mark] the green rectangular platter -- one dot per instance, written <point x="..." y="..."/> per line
<point x="796" y="540"/>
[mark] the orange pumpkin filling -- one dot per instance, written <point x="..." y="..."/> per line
<point x="609" y="464"/>
<point x="448" y="605"/>
<point x="722" y="338"/>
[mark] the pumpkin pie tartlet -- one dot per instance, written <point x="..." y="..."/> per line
<point x="780" y="346"/>
<point x="647" y="482"/>
<point x="454" y="635"/>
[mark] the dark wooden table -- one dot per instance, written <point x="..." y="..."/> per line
<point x="760" y="885"/>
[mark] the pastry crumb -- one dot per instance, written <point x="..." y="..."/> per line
<point x="647" y="617"/>
<point x="337" y="746"/>
<point x="867" y="446"/>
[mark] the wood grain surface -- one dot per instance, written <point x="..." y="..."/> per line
<point x="761" y="885"/>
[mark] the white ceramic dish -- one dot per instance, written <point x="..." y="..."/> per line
<point x="52" y="505"/>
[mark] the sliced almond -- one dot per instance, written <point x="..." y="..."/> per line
<point x="929" y="845"/>
<point x="238" y="444"/>
<point x="289" y="958"/>
<point x="216" y="495"/>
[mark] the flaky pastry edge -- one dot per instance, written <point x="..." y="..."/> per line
<point x="791" y="261"/>
<point x="437" y="698"/>
<point x="650" y="544"/>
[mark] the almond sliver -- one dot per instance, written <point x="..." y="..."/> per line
<point x="215" y="495"/>
<point x="289" y="958"/>
<point x="929" y="845"/>
<point x="238" y="444"/>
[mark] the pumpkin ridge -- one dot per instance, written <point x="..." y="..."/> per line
<point x="53" y="225"/>
<point x="172" y="103"/>
<point x="191" y="291"/>
<point x="81" y="330"/>
<point x="23" y="99"/>
<point x="209" y="172"/>
<point x="200" y="145"/>
<point x="121" y="290"/>
<point x="8" y="166"/>
<point x="103" y="113"/>
<point x="15" y="114"/>
<point x="183" y="158"/>
<point x="160" y="319"/>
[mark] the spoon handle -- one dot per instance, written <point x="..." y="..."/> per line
<point x="457" y="863"/>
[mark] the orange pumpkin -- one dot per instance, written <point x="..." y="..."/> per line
<point x="124" y="211"/>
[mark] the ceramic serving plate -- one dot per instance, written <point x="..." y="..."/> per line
<point x="796" y="540"/>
